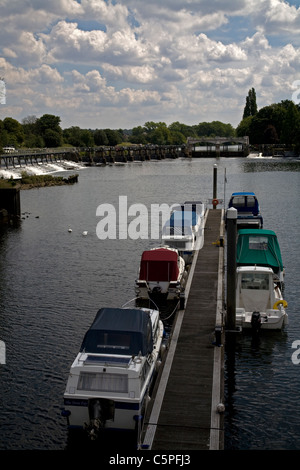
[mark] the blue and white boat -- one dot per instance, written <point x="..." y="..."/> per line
<point x="248" y="211"/>
<point x="184" y="231"/>
<point x="109" y="381"/>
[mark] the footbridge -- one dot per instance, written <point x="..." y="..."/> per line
<point x="218" y="146"/>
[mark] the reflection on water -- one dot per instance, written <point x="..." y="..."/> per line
<point x="275" y="164"/>
<point x="52" y="282"/>
<point x="258" y="400"/>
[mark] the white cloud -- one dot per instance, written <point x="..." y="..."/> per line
<point x="186" y="60"/>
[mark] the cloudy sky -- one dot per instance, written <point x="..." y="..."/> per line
<point x="120" y="63"/>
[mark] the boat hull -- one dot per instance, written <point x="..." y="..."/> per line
<point x="125" y="415"/>
<point x="272" y="320"/>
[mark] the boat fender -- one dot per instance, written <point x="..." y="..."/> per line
<point x="280" y="302"/>
<point x="163" y="349"/>
<point x="215" y="202"/>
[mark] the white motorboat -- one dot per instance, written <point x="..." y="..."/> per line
<point x="184" y="231"/>
<point x="162" y="275"/>
<point x="259" y="301"/>
<point x="109" y="381"/>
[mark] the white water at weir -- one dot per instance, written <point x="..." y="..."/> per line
<point x="39" y="169"/>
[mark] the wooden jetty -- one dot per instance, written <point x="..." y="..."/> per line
<point x="187" y="412"/>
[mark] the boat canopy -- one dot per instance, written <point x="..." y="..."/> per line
<point x="258" y="247"/>
<point x="244" y="202"/>
<point x="119" y="331"/>
<point x="159" y="265"/>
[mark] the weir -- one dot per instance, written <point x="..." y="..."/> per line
<point x="91" y="155"/>
<point x="122" y="154"/>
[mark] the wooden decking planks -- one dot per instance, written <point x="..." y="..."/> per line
<point x="184" y="421"/>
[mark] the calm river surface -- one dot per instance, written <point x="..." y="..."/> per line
<point x="52" y="282"/>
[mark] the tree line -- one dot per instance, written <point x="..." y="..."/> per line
<point x="278" y="123"/>
<point x="275" y="124"/>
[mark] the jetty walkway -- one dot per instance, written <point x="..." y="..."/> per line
<point x="187" y="409"/>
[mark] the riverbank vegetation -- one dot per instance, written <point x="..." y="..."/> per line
<point x="277" y="123"/>
<point x="37" y="181"/>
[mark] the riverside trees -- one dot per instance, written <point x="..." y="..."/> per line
<point x="274" y="124"/>
<point x="277" y="123"/>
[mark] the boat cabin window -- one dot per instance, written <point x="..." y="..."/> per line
<point x="258" y="243"/>
<point x="114" y="341"/>
<point x="250" y="201"/>
<point x="238" y="201"/>
<point x="258" y="281"/>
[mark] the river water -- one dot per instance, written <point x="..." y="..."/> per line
<point x="53" y="281"/>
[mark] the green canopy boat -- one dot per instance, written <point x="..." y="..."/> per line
<point x="261" y="248"/>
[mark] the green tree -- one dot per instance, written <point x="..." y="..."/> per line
<point x="187" y="131"/>
<point x="161" y="135"/>
<point x="52" y="138"/>
<point x="71" y="136"/>
<point x="86" y="138"/>
<point x="139" y="135"/>
<point x="158" y="133"/>
<point x="2" y="142"/>
<point x="13" y="132"/>
<point x="277" y="122"/>
<point x="113" y="137"/>
<point x="100" y="138"/>
<point x="31" y="136"/>
<point x="270" y="135"/>
<point x="214" y="128"/>
<point x="180" y="132"/>
<point x="290" y="132"/>
<point x="244" y="127"/>
<point x="47" y="123"/>
<point x="250" y="108"/>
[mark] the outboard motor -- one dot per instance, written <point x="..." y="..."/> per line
<point x="98" y="413"/>
<point x="256" y="321"/>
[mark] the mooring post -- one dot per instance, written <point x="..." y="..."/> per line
<point x="215" y="179"/>
<point x="231" y="267"/>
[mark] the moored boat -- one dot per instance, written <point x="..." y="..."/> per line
<point x="259" y="301"/>
<point x="184" y="230"/>
<point x="260" y="247"/>
<point x="111" y="376"/>
<point x="161" y="275"/>
<point x="248" y="211"/>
